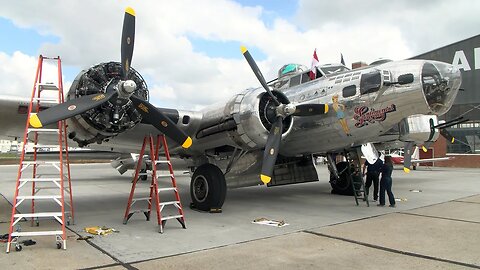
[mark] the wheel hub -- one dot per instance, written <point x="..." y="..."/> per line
<point x="200" y="189"/>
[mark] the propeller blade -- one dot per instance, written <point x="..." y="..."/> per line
<point x="128" y="38"/>
<point x="425" y="146"/>
<point x="257" y="72"/>
<point x="407" y="156"/>
<point x="155" y="117"/>
<point x="310" y="109"/>
<point x="69" y="108"/>
<point x="271" y="150"/>
<point x="447" y="135"/>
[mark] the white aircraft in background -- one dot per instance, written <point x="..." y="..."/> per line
<point x="398" y="157"/>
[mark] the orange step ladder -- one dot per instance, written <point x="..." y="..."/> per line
<point x="154" y="197"/>
<point x="42" y="178"/>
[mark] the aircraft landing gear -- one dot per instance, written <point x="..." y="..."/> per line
<point x="208" y="188"/>
<point x="342" y="185"/>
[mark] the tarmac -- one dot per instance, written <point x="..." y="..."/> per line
<point x="436" y="225"/>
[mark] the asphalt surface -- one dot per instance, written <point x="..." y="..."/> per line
<point x="435" y="225"/>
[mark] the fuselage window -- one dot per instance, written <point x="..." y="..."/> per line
<point x="370" y="82"/>
<point x="349" y="91"/>
<point x="186" y="119"/>
<point x="295" y="80"/>
<point x="305" y="77"/>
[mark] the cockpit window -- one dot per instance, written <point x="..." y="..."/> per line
<point x="290" y="69"/>
<point x="370" y="82"/>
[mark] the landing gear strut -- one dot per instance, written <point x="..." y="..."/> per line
<point x="208" y="188"/>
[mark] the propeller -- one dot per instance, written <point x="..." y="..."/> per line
<point x="121" y="93"/>
<point x="282" y="110"/>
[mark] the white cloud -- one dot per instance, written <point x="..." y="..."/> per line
<point x="179" y="76"/>
<point x="17" y="73"/>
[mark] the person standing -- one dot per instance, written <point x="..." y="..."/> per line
<point x="386" y="182"/>
<point x="373" y="172"/>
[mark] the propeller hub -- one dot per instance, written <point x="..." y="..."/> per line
<point x="126" y="88"/>
<point x="284" y="110"/>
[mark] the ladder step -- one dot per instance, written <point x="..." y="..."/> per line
<point x="39" y="179"/>
<point x="162" y="162"/>
<point x="171" y="217"/>
<point x="46" y="99"/>
<point x="39" y="233"/>
<point x="167" y="189"/>
<point x="39" y="197"/>
<point x="141" y="199"/>
<point x="169" y="203"/>
<point x="41" y="162"/>
<point x="47" y="86"/>
<point x="45" y="214"/>
<point x="46" y="130"/>
<point x="164" y="175"/>
<point x="45" y="146"/>
<point x="139" y="211"/>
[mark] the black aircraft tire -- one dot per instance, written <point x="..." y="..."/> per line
<point x="343" y="185"/>
<point x="208" y="188"/>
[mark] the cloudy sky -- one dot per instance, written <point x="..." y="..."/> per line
<point x="188" y="51"/>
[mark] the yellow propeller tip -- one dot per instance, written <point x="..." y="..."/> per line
<point x="405" y="169"/>
<point x="35" y="121"/>
<point x="130" y="11"/>
<point x="453" y="140"/>
<point x="187" y="143"/>
<point x="243" y="49"/>
<point x="424" y="149"/>
<point x="326" y="108"/>
<point x="265" y="179"/>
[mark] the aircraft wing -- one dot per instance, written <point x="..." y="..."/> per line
<point x="13" y="111"/>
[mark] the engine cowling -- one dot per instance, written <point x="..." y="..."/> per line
<point x="246" y="119"/>
<point x="112" y="117"/>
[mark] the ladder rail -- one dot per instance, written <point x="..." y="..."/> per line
<point x="25" y="140"/>
<point x="170" y="168"/>
<point x="135" y="179"/>
<point x="154" y="188"/>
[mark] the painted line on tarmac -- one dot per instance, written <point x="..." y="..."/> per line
<point x="412" y="254"/>
<point x="468" y="202"/>
<point x="444" y="218"/>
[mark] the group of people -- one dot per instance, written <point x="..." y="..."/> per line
<point x="383" y="168"/>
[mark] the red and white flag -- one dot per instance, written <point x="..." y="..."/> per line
<point x="313" y="70"/>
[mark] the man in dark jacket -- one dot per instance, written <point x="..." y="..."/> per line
<point x="373" y="171"/>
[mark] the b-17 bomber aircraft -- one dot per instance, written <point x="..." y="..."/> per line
<point x="264" y="135"/>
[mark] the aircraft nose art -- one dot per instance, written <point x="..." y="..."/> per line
<point x="440" y="82"/>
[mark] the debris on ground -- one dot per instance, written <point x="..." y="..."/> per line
<point x="4" y="238"/>
<point x="270" y="222"/>
<point x="97" y="230"/>
<point x="29" y="242"/>
<point x="401" y="199"/>
<point x="415" y="190"/>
